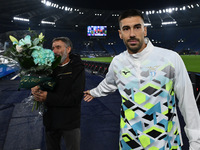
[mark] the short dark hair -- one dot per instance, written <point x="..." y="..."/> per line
<point x="66" y="40"/>
<point x="130" y="13"/>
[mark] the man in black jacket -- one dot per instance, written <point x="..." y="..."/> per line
<point x="62" y="118"/>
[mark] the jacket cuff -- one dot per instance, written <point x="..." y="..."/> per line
<point x="194" y="146"/>
<point x="92" y="92"/>
<point x="194" y="138"/>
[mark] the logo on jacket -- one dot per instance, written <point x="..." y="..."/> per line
<point x="126" y="72"/>
<point x="152" y="71"/>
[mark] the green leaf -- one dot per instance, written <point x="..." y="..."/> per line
<point x="26" y="62"/>
<point x="56" y="62"/>
<point x="33" y="105"/>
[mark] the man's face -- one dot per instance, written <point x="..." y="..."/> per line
<point x="59" y="48"/>
<point x="132" y="32"/>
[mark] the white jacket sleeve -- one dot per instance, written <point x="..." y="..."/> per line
<point x="187" y="104"/>
<point x="107" y="86"/>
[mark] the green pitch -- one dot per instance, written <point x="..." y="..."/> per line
<point x="192" y="62"/>
<point x="99" y="59"/>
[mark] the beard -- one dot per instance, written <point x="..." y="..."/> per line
<point x="134" y="48"/>
<point x="63" y="57"/>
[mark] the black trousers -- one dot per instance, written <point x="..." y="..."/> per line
<point x="71" y="138"/>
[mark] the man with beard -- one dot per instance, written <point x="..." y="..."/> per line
<point x="148" y="78"/>
<point x="62" y="117"/>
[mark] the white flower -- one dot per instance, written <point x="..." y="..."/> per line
<point x="19" y="48"/>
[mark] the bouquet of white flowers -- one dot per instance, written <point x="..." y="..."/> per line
<point x="36" y="62"/>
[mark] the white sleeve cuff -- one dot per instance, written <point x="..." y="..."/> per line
<point x="194" y="146"/>
<point x="194" y="138"/>
<point x="103" y="89"/>
<point x="94" y="93"/>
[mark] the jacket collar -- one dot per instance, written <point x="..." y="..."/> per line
<point x="144" y="52"/>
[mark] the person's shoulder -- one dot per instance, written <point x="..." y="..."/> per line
<point x="120" y="56"/>
<point x="74" y="56"/>
<point x="75" y="59"/>
<point x="166" y="52"/>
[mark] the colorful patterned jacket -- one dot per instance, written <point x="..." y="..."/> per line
<point x="148" y="83"/>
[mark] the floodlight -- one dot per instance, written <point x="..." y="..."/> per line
<point x="47" y="22"/>
<point x="21" y="19"/>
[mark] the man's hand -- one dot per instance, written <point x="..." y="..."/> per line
<point x="38" y="94"/>
<point x="35" y="89"/>
<point x="87" y="96"/>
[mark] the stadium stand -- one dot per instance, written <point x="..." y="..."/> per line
<point x="174" y="38"/>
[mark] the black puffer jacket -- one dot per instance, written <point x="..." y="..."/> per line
<point x="64" y="102"/>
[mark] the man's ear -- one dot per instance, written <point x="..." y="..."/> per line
<point x="69" y="49"/>
<point x="145" y="31"/>
<point x="120" y="34"/>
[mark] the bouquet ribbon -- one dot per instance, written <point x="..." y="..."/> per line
<point x="45" y="83"/>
